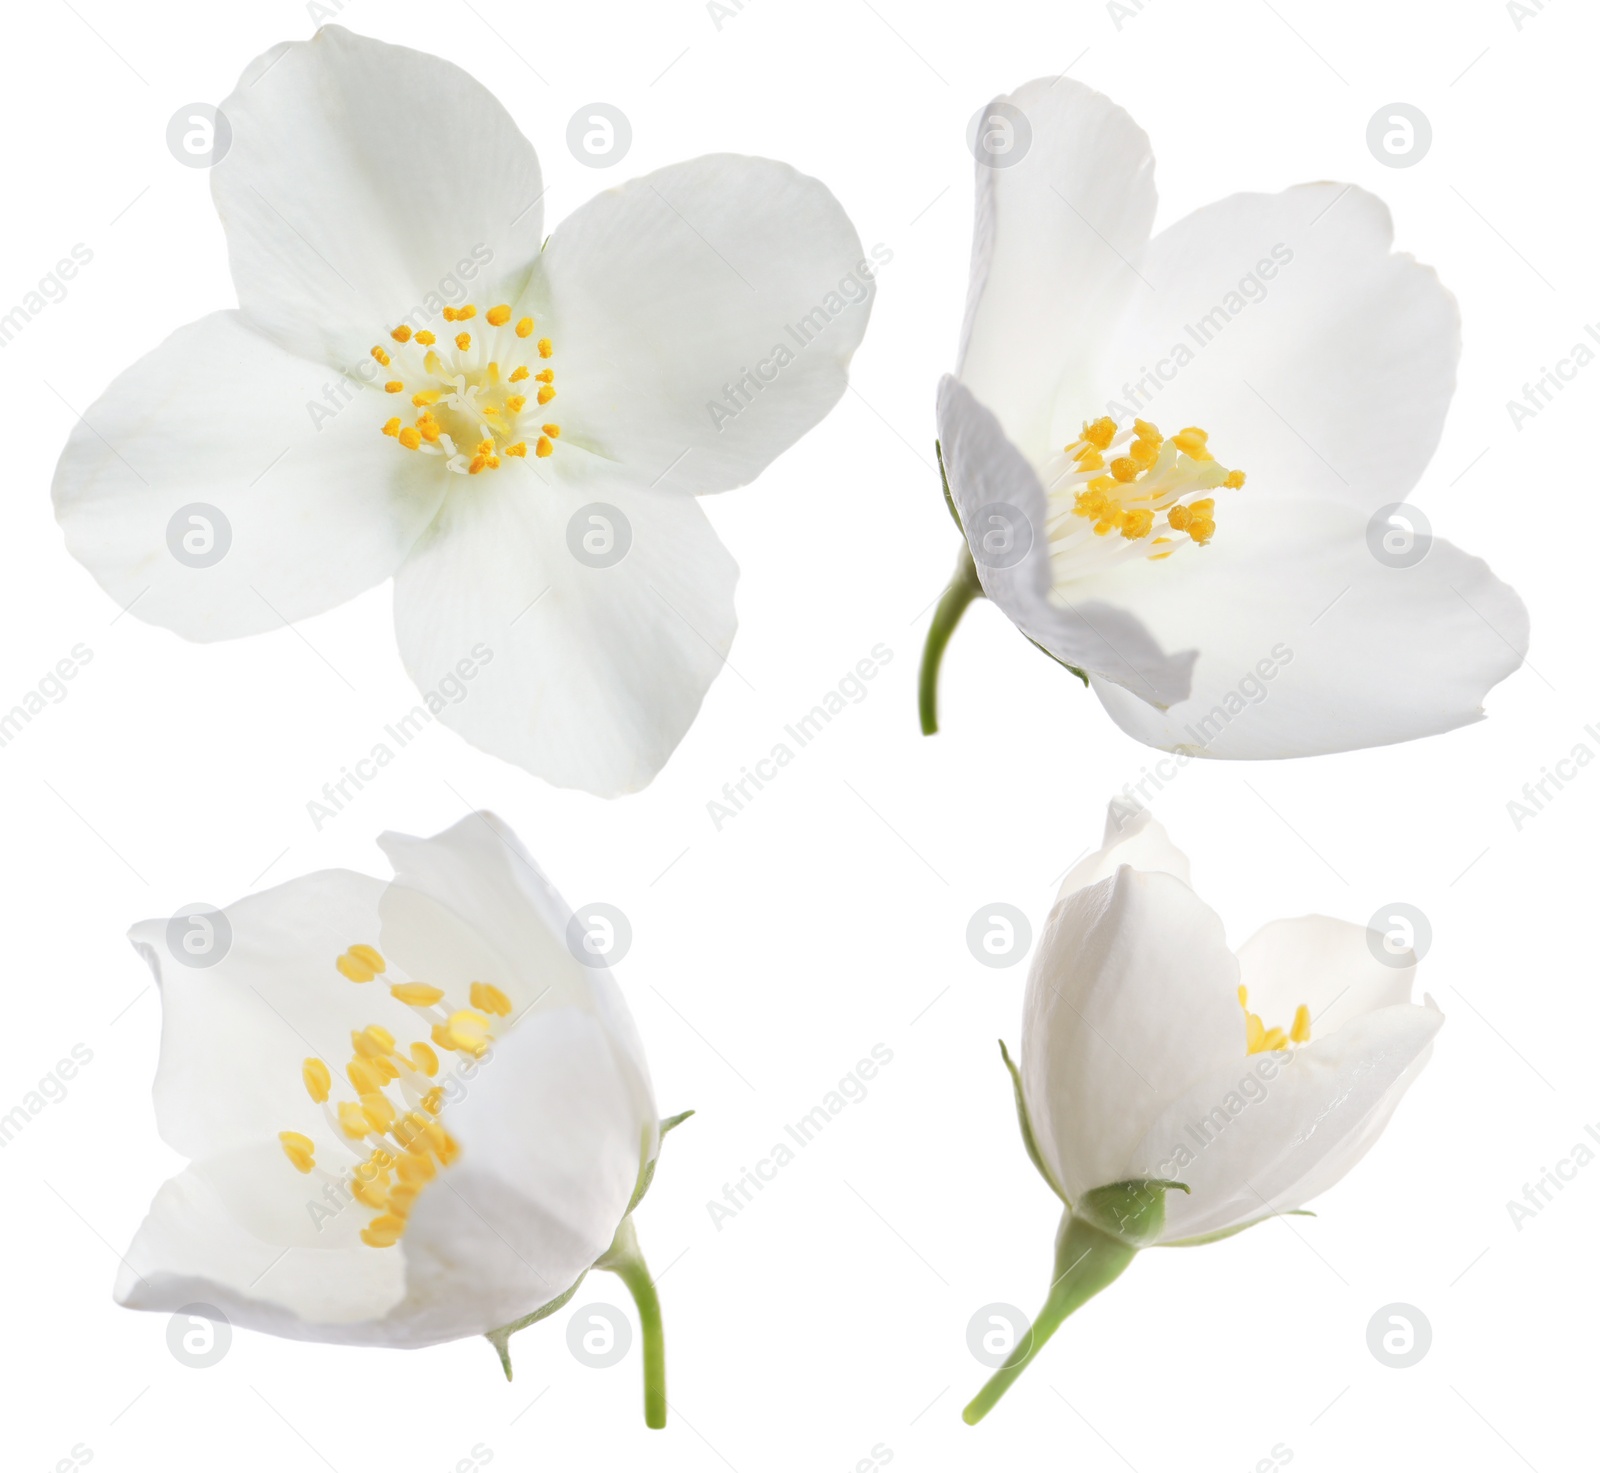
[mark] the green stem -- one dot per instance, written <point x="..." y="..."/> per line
<point x="625" y="1260"/>
<point x="1087" y="1259"/>
<point x="961" y="590"/>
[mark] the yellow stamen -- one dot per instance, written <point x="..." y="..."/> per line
<point x="490" y="999"/>
<point x="546" y="347"/>
<point x="543" y="447"/>
<point x="426" y="398"/>
<point x="514" y="403"/>
<point x="1192" y="442"/>
<point x="410" y="437"/>
<point x="1300" y="1032"/>
<point x="298" y="1149"/>
<point x="463" y="340"/>
<point x="433" y="1101"/>
<point x="469" y="1029"/>
<point x="394" y="386"/>
<point x="553" y="431"/>
<point x="416" y="994"/>
<point x="379" y="354"/>
<point x="372" y="1042"/>
<point x="361" y="963"/>
<point x="424" y="1058"/>
<point x="520" y="448"/>
<point x="463" y="314"/>
<point x="1101" y="433"/>
<point x="401" y="334"/>
<point x="379" y="1110"/>
<point x="519" y="373"/>
<point x="426" y="338"/>
<point x="392" y="427"/>
<point x="384" y="1231"/>
<point x="546" y="394"/>
<point x="317" y="1079"/>
<point x="498" y="316"/>
<point x="525" y="327"/>
<point x="364" y="1076"/>
<point x="352" y="1121"/>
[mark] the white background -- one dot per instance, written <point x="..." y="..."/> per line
<point x="830" y="1316"/>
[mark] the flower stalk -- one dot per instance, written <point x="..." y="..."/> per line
<point x="962" y="589"/>
<point x="626" y="1261"/>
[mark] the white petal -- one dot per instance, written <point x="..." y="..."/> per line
<point x="1133" y="839"/>
<point x="985" y="470"/>
<point x="1054" y="256"/>
<point x="1131" y="998"/>
<point x="362" y="179"/>
<point x="1330" y="376"/>
<point x="1326" y="964"/>
<point x="661" y="294"/>
<point x="591" y="675"/>
<point x="1307" y="643"/>
<point x="318" y="505"/>
<point x="1255" y="1137"/>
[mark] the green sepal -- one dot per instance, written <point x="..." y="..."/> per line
<point x="647" y="1162"/>
<point x="944" y="480"/>
<point x="1222" y="1233"/>
<point x="1062" y="663"/>
<point x="1028" y="1142"/>
<point x="501" y="1338"/>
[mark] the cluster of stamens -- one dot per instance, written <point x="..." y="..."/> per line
<point x="391" y="1126"/>
<point x="1259" y="1039"/>
<point x="469" y="394"/>
<point x="1134" y="482"/>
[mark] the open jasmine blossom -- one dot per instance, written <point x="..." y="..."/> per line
<point x="1172" y="1092"/>
<point x="412" y="1115"/>
<point x="1176" y="460"/>
<point x="417" y="384"/>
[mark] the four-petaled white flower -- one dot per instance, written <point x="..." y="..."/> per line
<point x="1275" y="616"/>
<point x="415" y="386"/>
<point x="1154" y="1058"/>
<point x="412" y="1113"/>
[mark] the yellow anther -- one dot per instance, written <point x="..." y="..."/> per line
<point x="394" y="386"/>
<point x="1253" y="1034"/>
<point x="553" y="431"/>
<point x="364" y="1076"/>
<point x="372" y="1042"/>
<point x="440" y="1034"/>
<point x="498" y="316"/>
<point x="525" y="327"/>
<point x="1124" y="469"/>
<point x="546" y="347"/>
<point x="492" y="410"/>
<point x="433" y="1101"/>
<point x="543" y="447"/>
<point x="384" y="1231"/>
<point x="429" y="429"/>
<point x="400" y="1200"/>
<point x="426" y="338"/>
<point x="318" y="1081"/>
<point x="488" y="998"/>
<point x="1143" y="454"/>
<point x="1101" y="433"/>
<point x="416" y="994"/>
<point x="401" y="334"/>
<point x="379" y="354"/>
<point x="424" y="1058"/>
<point x="494" y="462"/>
<point x="1147" y="432"/>
<point x="1178" y="517"/>
<point x="1300" y="1032"/>
<point x="1233" y="480"/>
<point x="361" y="963"/>
<point x="410" y="437"/>
<point x="414" y="1170"/>
<point x="1192" y="442"/>
<point x="298" y="1149"/>
<point x="379" y="1110"/>
<point x="546" y="375"/>
<point x="392" y="427"/>
<point x="373" y="1194"/>
<point x="492" y="373"/>
<point x="463" y="340"/>
<point x="470" y="1030"/>
<point x="519" y="373"/>
<point x="466" y="312"/>
<point x="1244" y="996"/>
<point x="514" y="403"/>
<point x="434" y="364"/>
<point x="449" y="314"/>
<point x="546" y="394"/>
<point x="1137" y="524"/>
<point x="1273" y="1040"/>
<point x="485" y="447"/>
<point x="426" y="398"/>
<point x="1090" y="459"/>
<point x="520" y="448"/>
<point x="352" y="1121"/>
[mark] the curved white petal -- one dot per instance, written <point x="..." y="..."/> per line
<point x="1132" y="997"/>
<point x="316" y="505"/>
<point x="1134" y="839"/>
<point x="362" y="180"/>
<point x="986" y="471"/>
<point x="1255" y="1134"/>
<point x="1324" y="963"/>
<point x="1308" y="644"/>
<point x="1318" y="359"/>
<point x="1054" y="255"/>
<point x="589" y="676"/>
<point x="661" y="295"/>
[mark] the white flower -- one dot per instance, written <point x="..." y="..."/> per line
<point x="385" y="225"/>
<point x="1155" y="1058"/>
<point x="411" y="1113"/>
<point x="1212" y="613"/>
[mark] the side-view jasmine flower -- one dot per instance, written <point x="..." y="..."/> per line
<point x="1172" y="1092"/>
<point x="1178" y="461"/>
<point x="412" y="1115"/>
<point x="417" y="384"/>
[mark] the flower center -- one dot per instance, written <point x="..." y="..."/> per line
<point x="1146" y="488"/>
<point x="1260" y="1039"/>
<point x="392" y="1126"/>
<point x="474" y="396"/>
